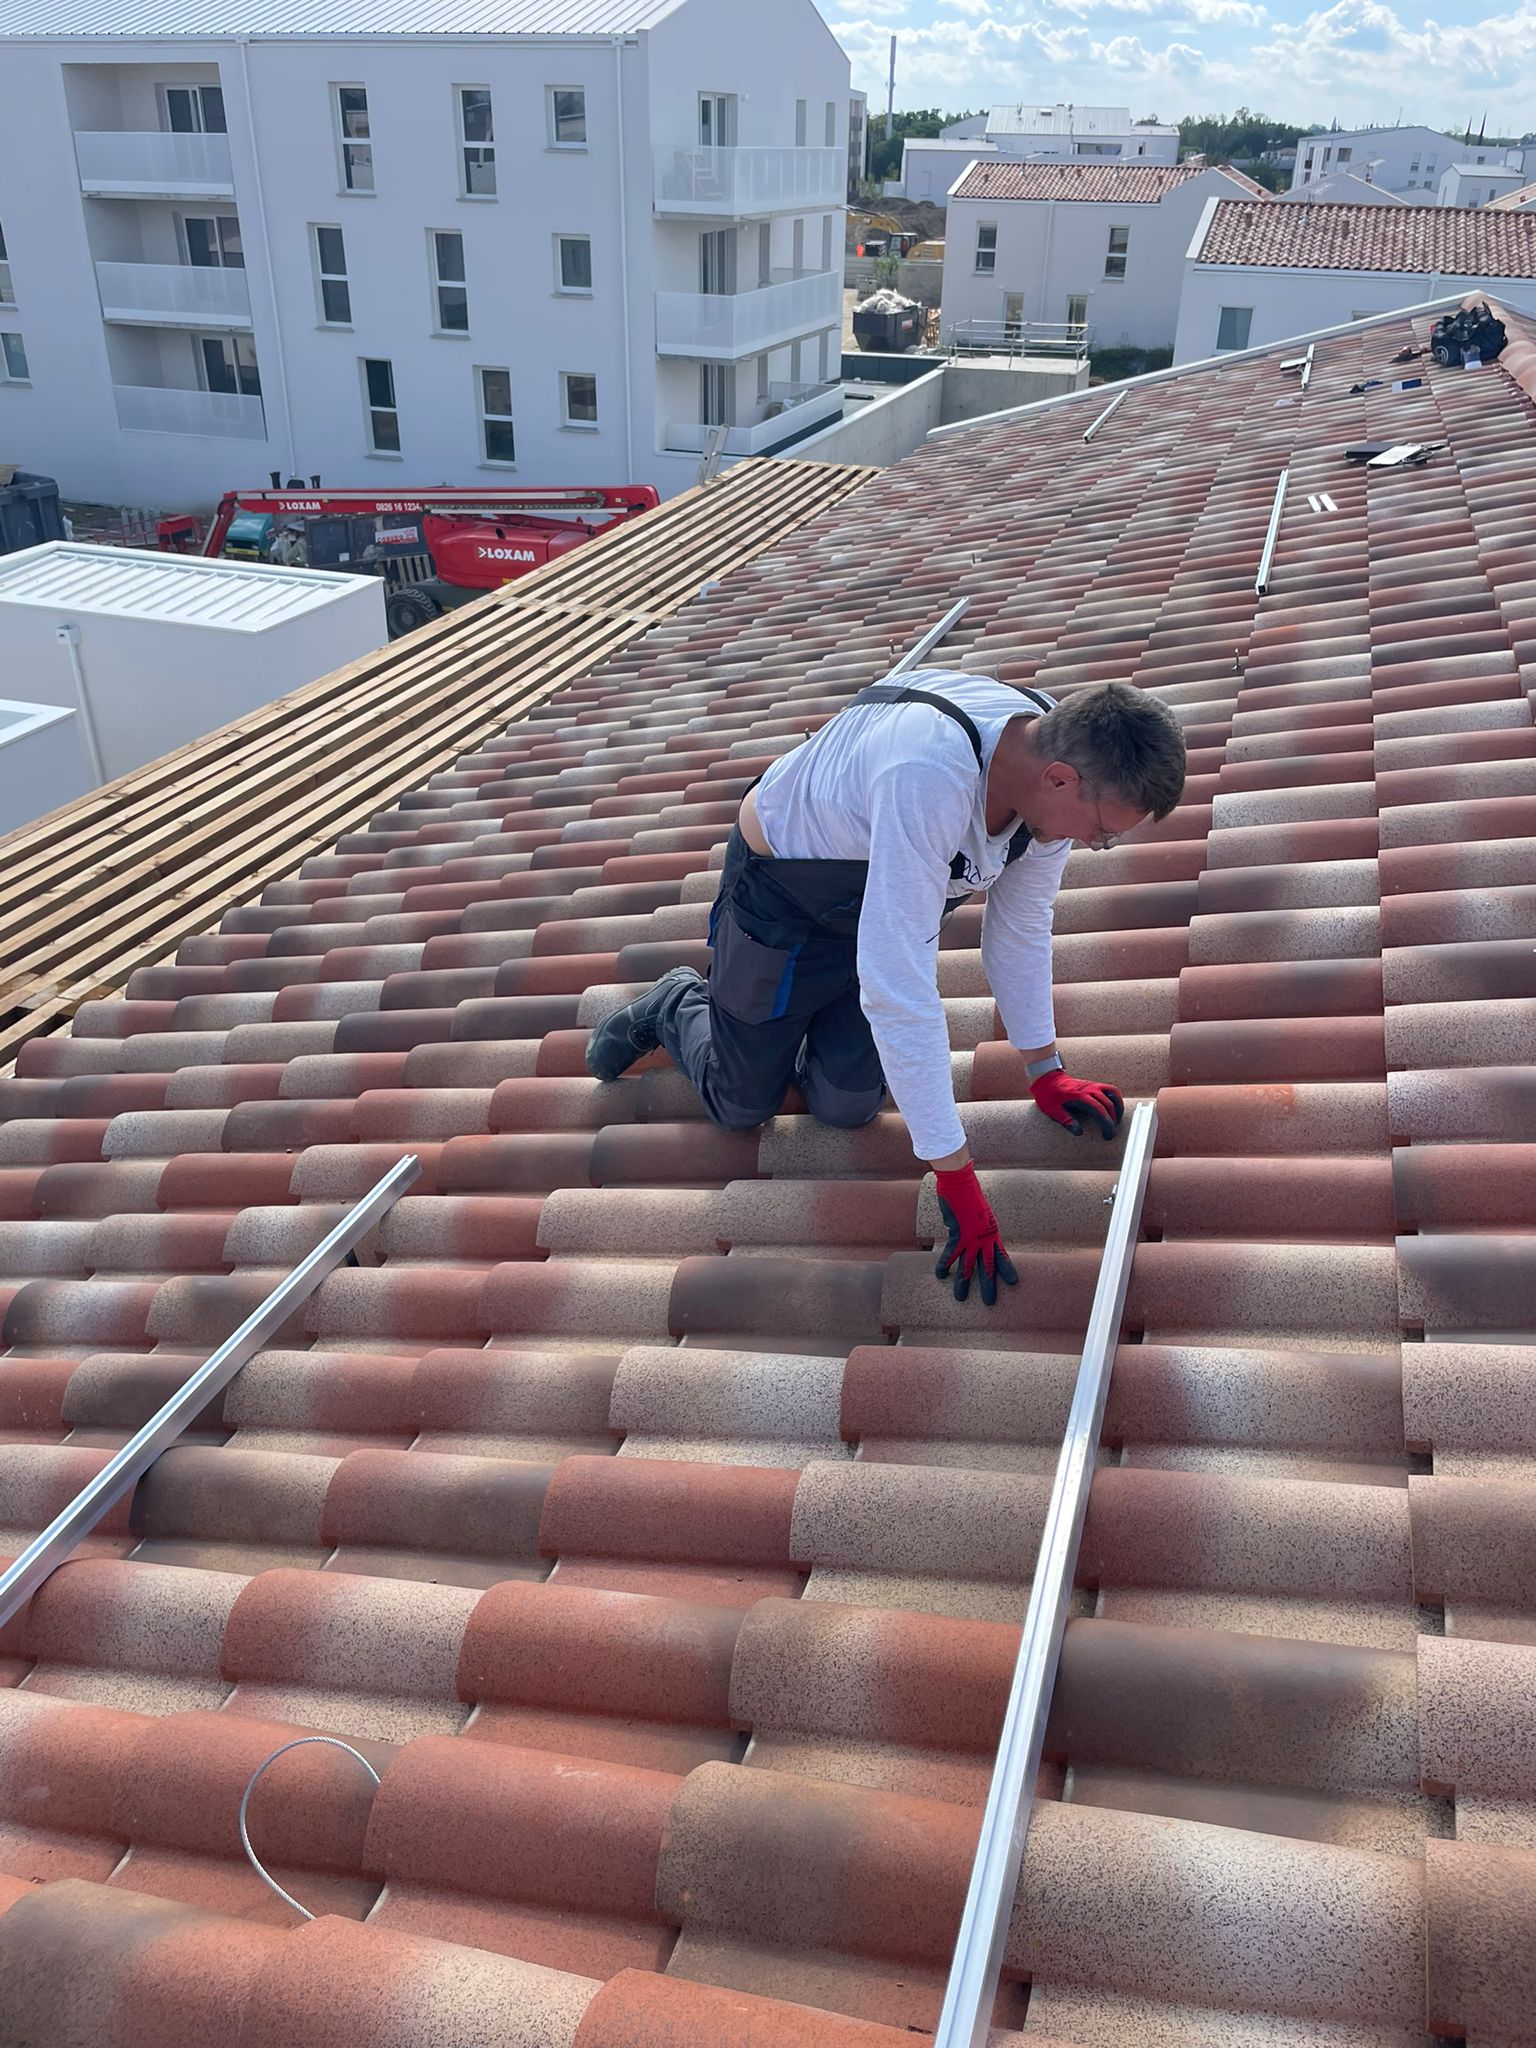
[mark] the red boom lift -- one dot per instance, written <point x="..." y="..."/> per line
<point x="435" y="548"/>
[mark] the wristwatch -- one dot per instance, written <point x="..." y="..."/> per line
<point x="1053" y="1063"/>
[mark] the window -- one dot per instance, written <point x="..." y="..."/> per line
<point x="7" y="290"/>
<point x="567" y="117"/>
<point x="477" y="142"/>
<point x="829" y="125"/>
<point x="1345" y="155"/>
<point x="578" y="399"/>
<point x="1119" y="246"/>
<point x="1233" y="327"/>
<point x="573" y="263"/>
<point x="826" y="241"/>
<point x="331" y="273"/>
<point x="1013" y="316"/>
<point x="986" y="248"/>
<point x="717" y="394"/>
<point x="213" y="241"/>
<point x="495" y="389"/>
<point x="825" y="356"/>
<point x="717" y="262"/>
<point x="717" y="120"/>
<point x="13" y="360"/>
<point x="228" y="363"/>
<point x="1077" y="309"/>
<point x="383" y="416"/>
<point x="1414" y="165"/>
<point x="356" y="149"/>
<point x="800" y="123"/>
<point x="193" y="109"/>
<point x="450" y="296"/>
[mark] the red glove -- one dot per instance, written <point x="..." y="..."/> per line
<point x="974" y="1245"/>
<point x="1076" y="1103"/>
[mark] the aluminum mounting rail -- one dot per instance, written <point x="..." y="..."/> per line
<point x="931" y="638"/>
<point x="1266" y="560"/>
<point x="1090" y="431"/>
<point x="966" y="2019"/>
<point x="22" y="1578"/>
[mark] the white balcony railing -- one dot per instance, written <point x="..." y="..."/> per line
<point x="730" y="182"/>
<point x="145" y="164"/>
<point x="719" y="327"/>
<point x="159" y="409"/>
<point x="174" y="295"/>
<point x="790" y="409"/>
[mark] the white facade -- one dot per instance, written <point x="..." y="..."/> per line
<point x="1341" y="188"/>
<point x="1478" y="184"/>
<point x="1116" y="266"/>
<point x="929" y="168"/>
<point x="1062" y="131"/>
<point x="153" y="650"/>
<point x="1408" y="161"/>
<point x="1250" y="306"/>
<point x="549" y="258"/>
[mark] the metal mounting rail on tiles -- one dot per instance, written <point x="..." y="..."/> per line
<point x="931" y="638"/>
<point x="1089" y="432"/>
<point x="22" y="1579"/>
<point x="1261" y="580"/>
<point x="966" y="2019"/>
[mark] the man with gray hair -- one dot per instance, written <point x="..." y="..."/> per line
<point x="847" y="857"/>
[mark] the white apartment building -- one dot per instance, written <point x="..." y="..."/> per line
<point x="1478" y="184"/>
<point x="1408" y="161"/>
<point x="1256" y="275"/>
<point x="1031" y="134"/>
<point x="1095" y="245"/>
<point x="399" y="243"/>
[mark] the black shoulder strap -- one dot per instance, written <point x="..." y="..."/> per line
<point x="894" y="693"/>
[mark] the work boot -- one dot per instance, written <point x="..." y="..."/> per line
<point x="629" y="1034"/>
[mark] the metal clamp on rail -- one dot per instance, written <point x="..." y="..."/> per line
<point x="966" y="2019"/>
<point x="123" y="1472"/>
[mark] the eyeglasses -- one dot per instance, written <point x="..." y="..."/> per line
<point x="1102" y="840"/>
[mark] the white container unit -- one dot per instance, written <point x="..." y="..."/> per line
<point x="42" y="765"/>
<point x="151" y="651"/>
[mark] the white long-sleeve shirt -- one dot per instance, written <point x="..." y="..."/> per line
<point x="897" y="785"/>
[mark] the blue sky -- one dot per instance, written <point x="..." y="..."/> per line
<point x="1359" y="61"/>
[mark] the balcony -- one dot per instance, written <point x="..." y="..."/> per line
<point x="174" y="295"/>
<point x="145" y="164"/>
<point x="789" y="411"/>
<point x="731" y="184"/>
<point x="721" y="327"/>
<point x="161" y="409"/>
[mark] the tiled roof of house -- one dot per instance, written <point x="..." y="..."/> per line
<point x="1453" y="241"/>
<point x="1096" y="183"/>
<point x="631" y="1441"/>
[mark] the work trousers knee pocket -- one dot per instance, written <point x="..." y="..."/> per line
<point x="845" y="1109"/>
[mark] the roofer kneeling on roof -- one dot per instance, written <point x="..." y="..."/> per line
<point x="847" y="857"/>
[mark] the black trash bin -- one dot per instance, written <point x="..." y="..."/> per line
<point x="29" y="512"/>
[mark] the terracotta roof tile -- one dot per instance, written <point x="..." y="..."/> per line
<point x="1453" y="241"/>
<point x="1099" y="184"/>
<point x="767" y="1641"/>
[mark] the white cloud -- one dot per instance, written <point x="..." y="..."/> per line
<point x="1356" y="60"/>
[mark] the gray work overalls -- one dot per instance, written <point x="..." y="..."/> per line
<point x="782" y="1000"/>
